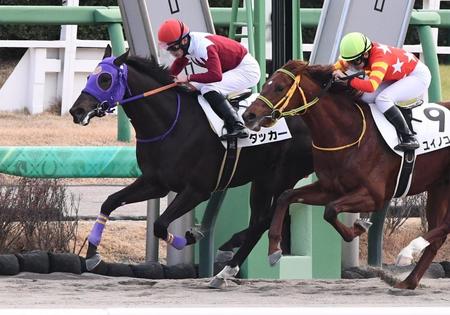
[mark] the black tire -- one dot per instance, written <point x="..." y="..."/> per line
<point x="65" y="262"/>
<point x="120" y="270"/>
<point x="149" y="270"/>
<point x="9" y="265"/>
<point x="180" y="271"/>
<point x="35" y="261"/>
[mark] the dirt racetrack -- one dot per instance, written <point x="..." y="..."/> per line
<point x="61" y="290"/>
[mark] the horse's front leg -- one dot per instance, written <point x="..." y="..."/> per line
<point x="140" y="190"/>
<point x="184" y="202"/>
<point x="310" y="194"/>
<point x="358" y="200"/>
<point x="438" y="217"/>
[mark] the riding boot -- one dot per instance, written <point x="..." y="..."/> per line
<point x="407" y="140"/>
<point x="223" y="109"/>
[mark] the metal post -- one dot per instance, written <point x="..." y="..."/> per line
<point x="375" y="237"/>
<point x="206" y="248"/>
<point x="234" y="12"/>
<point x="260" y="42"/>
<point x="350" y="250"/>
<point x="431" y="60"/>
<point x="179" y="227"/>
<point x="297" y="50"/>
<point x="152" y="243"/>
<point x="118" y="48"/>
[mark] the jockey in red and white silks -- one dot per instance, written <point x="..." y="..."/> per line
<point x="230" y="68"/>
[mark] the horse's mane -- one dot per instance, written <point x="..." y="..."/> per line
<point x="150" y="67"/>
<point x="321" y="74"/>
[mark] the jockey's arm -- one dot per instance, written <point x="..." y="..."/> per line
<point x="214" y="73"/>
<point x="178" y="65"/>
<point x="375" y="77"/>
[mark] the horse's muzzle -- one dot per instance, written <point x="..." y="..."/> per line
<point x="81" y="117"/>
<point x="251" y="121"/>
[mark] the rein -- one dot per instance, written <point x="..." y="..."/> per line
<point x="363" y="131"/>
<point x="278" y="108"/>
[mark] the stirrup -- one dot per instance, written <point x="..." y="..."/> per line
<point x="241" y="134"/>
<point x="407" y="146"/>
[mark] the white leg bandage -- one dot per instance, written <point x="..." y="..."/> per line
<point x="416" y="246"/>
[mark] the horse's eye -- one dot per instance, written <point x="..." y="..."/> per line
<point x="104" y="81"/>
<point x="279" y="88"/>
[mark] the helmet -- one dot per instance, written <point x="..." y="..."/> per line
<point x="353" y="45"/>
<point x="171" y="32"/>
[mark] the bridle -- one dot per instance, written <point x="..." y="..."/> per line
<point x="115" y="95"/>
<point x="278" y="109"/>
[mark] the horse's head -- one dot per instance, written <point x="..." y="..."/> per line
<point x="105" y="87"/>
<point x="288" y="92"/>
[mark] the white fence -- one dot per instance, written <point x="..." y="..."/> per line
<point x="53" y="72"/>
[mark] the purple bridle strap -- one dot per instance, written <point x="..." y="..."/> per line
<point x="165" y="134"/>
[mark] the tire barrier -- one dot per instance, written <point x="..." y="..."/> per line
<point x="47" y="262"/>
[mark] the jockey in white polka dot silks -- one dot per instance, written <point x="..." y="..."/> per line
<point x="230" y="68"/>
<point x="392" y="75"/>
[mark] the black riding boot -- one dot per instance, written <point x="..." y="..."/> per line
<point x="407" y="140"/>
<point x="225" y="111"/>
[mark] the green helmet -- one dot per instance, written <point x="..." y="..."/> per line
<point x="353" y="45"/>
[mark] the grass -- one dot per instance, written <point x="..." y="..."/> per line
<point x="445" y="81"/>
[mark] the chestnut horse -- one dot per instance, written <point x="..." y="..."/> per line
<point x="356" y="170"/>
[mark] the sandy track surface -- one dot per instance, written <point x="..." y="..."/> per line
<point x="59" y="290"/>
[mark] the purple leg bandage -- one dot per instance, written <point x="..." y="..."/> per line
<point x="96" y="233"/>
<point x="179" y="242"/>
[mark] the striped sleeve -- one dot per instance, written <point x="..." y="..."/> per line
<point x="376" y="76"/>
<point x="340" y="65"/>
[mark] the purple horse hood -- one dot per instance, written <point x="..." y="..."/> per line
<point x="116" y="91"/>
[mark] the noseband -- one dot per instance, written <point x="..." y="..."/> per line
<point x="278" y="108"/>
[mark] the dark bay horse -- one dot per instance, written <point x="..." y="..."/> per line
<point x="177" y="151"/>
<point x="356" y="170"/>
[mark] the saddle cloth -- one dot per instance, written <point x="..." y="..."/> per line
<point x="278" y="132"/>
<point x="433" y="127"/>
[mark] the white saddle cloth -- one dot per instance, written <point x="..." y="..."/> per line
<point x="278" y="132"/>
<point x="433" y="130"/>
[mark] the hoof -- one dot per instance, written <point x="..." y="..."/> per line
<point x="220" y="280"/>
<point x="217" y="283"/>
<point x="403" y="285"/>
<point x="223" y="255"/>
<point x="93" y="262"/>
<point x="275" y="257"/>
<point x="194" y="235"/>
<point x="363" y="224"/>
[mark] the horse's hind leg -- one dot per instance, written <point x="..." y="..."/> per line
<point x="438" y="217"/>
<point x="139" y="190"/>
<point x="260" y="204"/>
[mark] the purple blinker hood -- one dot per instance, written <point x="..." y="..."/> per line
<point x="116" y="92"/>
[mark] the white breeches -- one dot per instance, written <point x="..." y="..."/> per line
<point x="244" y="76"/>
<point x="390" y="92"/>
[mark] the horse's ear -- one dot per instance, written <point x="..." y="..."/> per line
<point x="121" y="59"/>
<point x="108" y="52"/>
